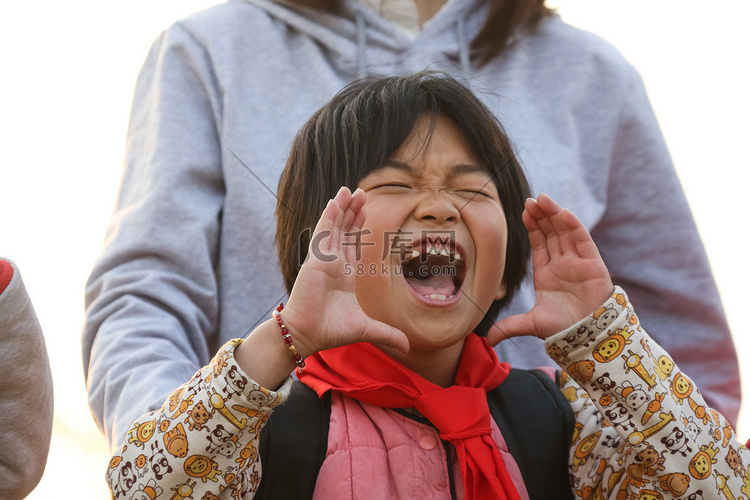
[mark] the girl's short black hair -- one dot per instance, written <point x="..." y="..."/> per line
<point x="360" y="129"/>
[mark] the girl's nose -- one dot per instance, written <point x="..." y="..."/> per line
<point x="438" y="208"/>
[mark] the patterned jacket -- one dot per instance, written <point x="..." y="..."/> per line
<point x="642" y="432"/>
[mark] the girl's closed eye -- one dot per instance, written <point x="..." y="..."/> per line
<point x="471" y="182"/>
<point x="473" y="192"/>
<point x="391" y="185"/>
<point x="483" y="189"/>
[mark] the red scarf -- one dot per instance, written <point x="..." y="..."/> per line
<point x="365" y="373"/>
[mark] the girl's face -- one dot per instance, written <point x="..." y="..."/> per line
<point x="432" y="262"/>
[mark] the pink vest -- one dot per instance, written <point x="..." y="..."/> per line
<point x="376" y="453"/>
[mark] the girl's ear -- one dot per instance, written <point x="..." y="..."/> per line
<point x="501" y="291"/>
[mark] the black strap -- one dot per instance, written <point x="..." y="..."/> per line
<point x="291" y="460"/>
<point x="537" y="423"/>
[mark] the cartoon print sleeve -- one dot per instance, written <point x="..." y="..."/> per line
<point x="202" y="443"/>
<point x="643" y="431"/>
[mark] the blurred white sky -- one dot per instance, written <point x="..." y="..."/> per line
<point x="68" y="70"/>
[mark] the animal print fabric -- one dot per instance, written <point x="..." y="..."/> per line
<point x="203" y="442"/>
<point x="643" y="431"/>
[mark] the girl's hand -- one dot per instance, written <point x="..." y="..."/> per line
<point x="570" y="277"/>
<point x="322" y="311"/>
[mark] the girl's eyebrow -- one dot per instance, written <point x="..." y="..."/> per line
<point x="399" y="165"/>
<point x="455" y="170"/>
<point x="469" y="168"/>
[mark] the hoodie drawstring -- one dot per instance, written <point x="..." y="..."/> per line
<point x="463" y="45"/>
<point x="361" y="45"/>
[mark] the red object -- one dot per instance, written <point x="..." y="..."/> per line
<point x="365" y="373"/>
<point x="288" y="338"/>
<point x="6" y="273"/>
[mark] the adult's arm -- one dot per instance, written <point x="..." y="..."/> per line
<point x="26" y="399"/>
<point x="152" y="306"/>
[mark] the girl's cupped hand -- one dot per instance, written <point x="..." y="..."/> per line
<point x="322" y="311"/>
<point x="570" y="277"/>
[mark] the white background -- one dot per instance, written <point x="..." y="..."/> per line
<point x="68" y="70"/>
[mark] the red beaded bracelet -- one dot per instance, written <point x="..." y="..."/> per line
<point x="288" y="338"/>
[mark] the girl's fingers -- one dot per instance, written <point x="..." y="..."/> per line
<point x="344" y="214"/>
<point x="552" y="213"/>
<point x="512" y="326"/>
<point x="335" y="238"/>
<point x="537" y="238"/>
<point x="352" y="211"/>
<point x="535" y="210"/>
<point x="381" y="333"/>
<point x="568" y="230"/>
<point x="358" y="199"/>
<point x="536" y="235"/>
<point x="561" y="227"/>
<point x="325" y="235"/>
<point x="574" y="236"/>
<point x="359" y="219"/>
<point x="354" y="218"/>
<point x="348" y="215"/>
<point x="324" y="227"/>
<point x="585" y="245"/>
<point x="567" y="241"/>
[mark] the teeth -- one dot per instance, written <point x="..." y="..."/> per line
<point x="413" y="255"/>
<point x="437" y="296"/>
<point x="432" y="250"/>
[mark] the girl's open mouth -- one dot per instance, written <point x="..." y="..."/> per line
<point x="434" y="270"/>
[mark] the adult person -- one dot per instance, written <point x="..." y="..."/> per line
<point x="189" y="263"/>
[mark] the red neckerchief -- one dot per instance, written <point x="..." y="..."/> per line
<point x="365" y="373"/>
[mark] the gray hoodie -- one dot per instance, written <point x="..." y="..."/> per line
<point x="189" y="260"/>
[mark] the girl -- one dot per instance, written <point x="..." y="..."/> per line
<point x="389" y="315"/>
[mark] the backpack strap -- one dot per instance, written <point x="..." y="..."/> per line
<point x="537" y="423"/>
<point x="291" y="460"/>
